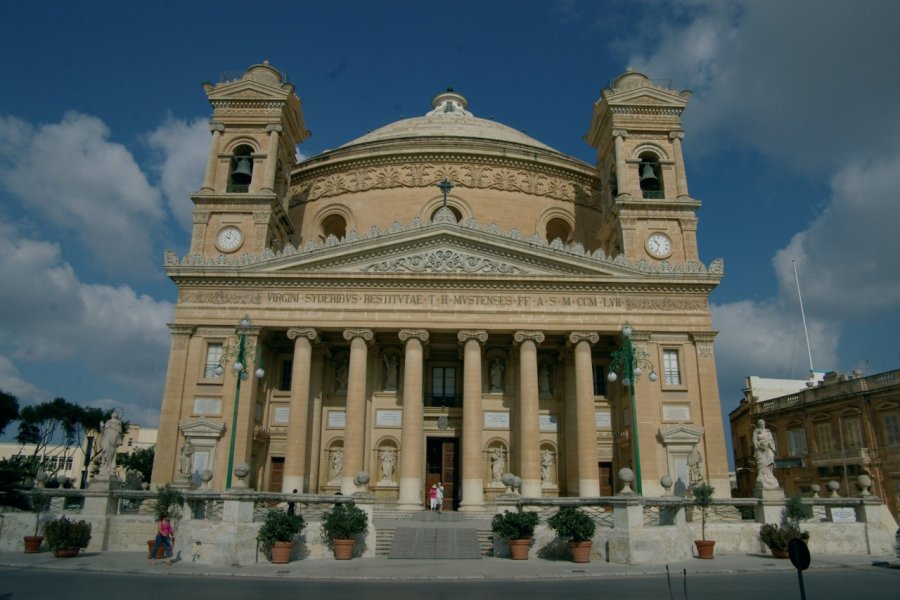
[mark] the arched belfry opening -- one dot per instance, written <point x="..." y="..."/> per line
<point x="241" y="172"/>
<point x="650" y="175"/>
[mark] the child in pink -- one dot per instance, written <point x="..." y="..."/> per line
<point x="165" y="537"/>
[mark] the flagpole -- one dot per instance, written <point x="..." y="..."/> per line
<point x="803" y="316"/>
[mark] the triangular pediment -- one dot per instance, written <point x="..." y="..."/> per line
<point x="647" y="96"/>
<point x="442" y="250"/>
<point x="247" y="89"/>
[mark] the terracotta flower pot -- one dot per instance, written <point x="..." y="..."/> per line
<point x="704" y="548"/>
<point x="581" y="551"/>
<point x="780" y="553"/>
<point x="281" y="552"/>
<point x="65" y="552"/>
<point x="160" y="552"/>
<point x="33" y="543"/>
<point x="519" y="548"/>
<point x="343" y="549"/>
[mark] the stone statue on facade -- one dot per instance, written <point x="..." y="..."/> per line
<point x="388" y="461"/>
<point x="496" y="375"/>
<point x="185" y="464"/>
<point x="695" y="464"/>
<point x="544" y="379"/>
<point x="498" y="463"/>
<point x="337" y="464"/>
<point x="546" y="465"/>
<point x="764" y="453"/>
<point x="391" y="368"/>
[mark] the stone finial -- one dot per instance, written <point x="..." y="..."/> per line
<point x="864" y="482"/>
<point x="241" y="471"/>
<point x="626" y="476"/>
<point x="815" y="490"/>
<point x="206" y="476"/>
<point x="833" y="486"/>
<point x="666" y="482"/>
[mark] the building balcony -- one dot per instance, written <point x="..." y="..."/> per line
<point x="852" y="456"/>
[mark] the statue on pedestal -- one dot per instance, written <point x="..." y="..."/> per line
<point x="764" y="453"/>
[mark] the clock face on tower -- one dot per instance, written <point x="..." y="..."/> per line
<point x="229" y="239"/>
<point x="659" y="245"/>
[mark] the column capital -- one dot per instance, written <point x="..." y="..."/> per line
<point x="620" y="133"/>
<point x="676" y="135"/>
<point x="274" y="127"/>
<point x="480" y="335"/>
<point x="535" y="336"/>
<point x="366" y="334"/>
<point x="583" y="336"/>
<point x="417" y="334"/>
<point x="181" y="329"/>
<point x="214" y="127"/>
<point x="302" y="332"/>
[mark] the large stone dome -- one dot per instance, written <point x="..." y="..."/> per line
<point x="449" y="117"/>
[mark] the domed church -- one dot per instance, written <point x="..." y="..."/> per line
<point x="443" y="299"/>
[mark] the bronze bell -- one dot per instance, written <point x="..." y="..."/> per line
<point x="647" y="173"/>
<point x="243" y="171"/>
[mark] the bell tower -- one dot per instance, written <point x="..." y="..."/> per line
<point x="647" y="211"/>
<point x="257" y="122"/>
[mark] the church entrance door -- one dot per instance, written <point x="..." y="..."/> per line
<point x="442" y="465"/>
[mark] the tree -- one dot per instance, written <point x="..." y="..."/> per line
<point x="9" y="409"/>
<point x="58" y="421"/>
<point x="140" y="461"/>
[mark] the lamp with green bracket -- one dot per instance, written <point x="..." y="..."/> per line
<point x="631" y="363"/>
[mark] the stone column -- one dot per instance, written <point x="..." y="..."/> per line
<point x="295" y="455"/>
<point x="622" y="179"/>
<point x="243" y="445"/>
<point x="209" y="177"/>
<point x="473" y="421"/>
<point x="412" y="449"/>
<point x="529" y="427"/>
<point x="271" y="158"/>
<point x="586" y="432"/>
<point x="173" y="396"/>
<point x="316" y="391"/>
<point x="355" y="427"/>
<point x="681" y="188"/>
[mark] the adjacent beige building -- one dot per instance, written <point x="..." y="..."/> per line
<point x="438" y="300"/>
<point x="831" y="428"/>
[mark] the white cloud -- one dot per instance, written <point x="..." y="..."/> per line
<point x="767" y="339"/>
<point x="11" y="381"/>
<point x="185" y="149"/>
<point x="50" y="315"/>
<point x="75" y="177"/>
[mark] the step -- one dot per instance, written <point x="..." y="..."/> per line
<point x="435" y="542"/>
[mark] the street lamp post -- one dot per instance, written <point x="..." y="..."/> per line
<point x="241" y="374"/>
<point x="631" y="362"/>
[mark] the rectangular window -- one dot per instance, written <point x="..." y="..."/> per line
<point x="891" y="428"/>
<point x="287" y="368"/>
<point x="797" y="442"/>
<point x="852" y="433"/>
<point x="443" y="382"/>
<point x="213" y="359"/>
<point x="823" y="435"/>
<point x="671" y="368"/>
<point x="599" y="380"/>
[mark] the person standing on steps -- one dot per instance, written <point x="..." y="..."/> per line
<point x="432" y="497"/>
<point x="440" y="497"/>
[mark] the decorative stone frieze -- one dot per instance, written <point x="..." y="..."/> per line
<point x="219" y="297"/>
<point x="443" y="261"/>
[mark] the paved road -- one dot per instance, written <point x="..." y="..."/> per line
<point x="871" y="583"/>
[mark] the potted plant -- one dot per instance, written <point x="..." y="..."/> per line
<point x="277" y="535"/>
<point x="703" y="493"/>
<point x="518" y="528"/>
<point x="38" y="505"/>
<point x="341" y="525"/>
<point x="777" y="537"/>
<point x="66" y="538"/>
<point x="578" y="527"/>
<point x="168" y="502"/>
<point x="795" y="510"/>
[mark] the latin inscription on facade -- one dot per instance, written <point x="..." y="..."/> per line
<point x="496" y="420"/>
<point x="548" y="423"/>
<point x="445" y="300"/>
<point x="388" y="418"/>
<point x="602" y="419"/>
<point x="281" y="415"/>
<point x="676" y="412"/>
<point x="337" y="419"/>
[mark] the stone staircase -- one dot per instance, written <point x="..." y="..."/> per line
<point x="427" y="534"/>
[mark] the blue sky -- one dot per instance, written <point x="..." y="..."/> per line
<point x="791" y="145"/>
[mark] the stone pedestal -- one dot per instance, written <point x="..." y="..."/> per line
<point x="769" y="510"/>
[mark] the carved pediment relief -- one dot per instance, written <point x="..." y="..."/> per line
<point x="202" y="428"/>
<point x="648" y="96"/>
<point x="680" y="435"/>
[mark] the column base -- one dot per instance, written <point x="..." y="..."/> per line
<point x="588" y="488"/>
<point x="531" y="488"/>
<point x="291" y="484"/>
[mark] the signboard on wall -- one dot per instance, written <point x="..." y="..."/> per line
<point x="496" y="420"/>
<point x="337" y="419"/>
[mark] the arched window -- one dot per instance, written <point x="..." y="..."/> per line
<point x="650" y="175"/>
<point x="456" y="212"/>
<point x="241" y="170"/>
<point x="559" y="228"/>
<point x="613" y="183"/>
<point x="334" y="225"/>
